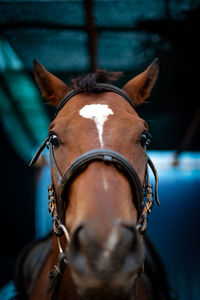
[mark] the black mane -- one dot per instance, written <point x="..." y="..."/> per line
<point x="88" y="82"/>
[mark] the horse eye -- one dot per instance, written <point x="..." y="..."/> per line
<point x="145" y="139"/>
<point x="54" y="140"/>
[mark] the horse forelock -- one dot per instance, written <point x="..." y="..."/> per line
<point x="89" y="82"/>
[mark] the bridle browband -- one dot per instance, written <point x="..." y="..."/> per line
<point x="143" y="195"/>
<point x="99" y="88"/>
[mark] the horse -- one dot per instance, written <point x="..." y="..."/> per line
<point x="100" y="195"/>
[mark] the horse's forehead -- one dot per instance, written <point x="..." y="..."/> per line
<point x="105" y="110"/>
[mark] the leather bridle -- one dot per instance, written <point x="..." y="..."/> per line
<point x="143" y="195"/>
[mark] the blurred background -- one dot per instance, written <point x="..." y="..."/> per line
<point x="73" y="37"/>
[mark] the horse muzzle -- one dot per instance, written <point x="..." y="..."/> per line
<point x="108" y="267"/>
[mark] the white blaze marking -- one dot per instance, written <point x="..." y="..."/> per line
<point x="105" y="183"/>
<point x="99" y="114"/>
<point x="112" y="240"/>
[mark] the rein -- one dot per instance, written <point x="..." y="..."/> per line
<point x="144" y="199"/>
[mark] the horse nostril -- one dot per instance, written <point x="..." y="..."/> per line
<point x="75" y="240"/>
<point x="131" y="228"/>
<point x="84" y="241"/>
<point x="135" y="255"/>
<point x="75" y="255"/>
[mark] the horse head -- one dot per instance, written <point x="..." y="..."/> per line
<point x="98" y="137"/>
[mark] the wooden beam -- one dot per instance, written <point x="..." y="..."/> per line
<point x="92" y="34"/>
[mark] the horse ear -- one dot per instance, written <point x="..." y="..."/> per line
<point x="139" y="88"/>
<point x="52" y="88"/>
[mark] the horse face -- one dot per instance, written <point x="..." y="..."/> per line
<point x="100" y="210"/>
<point x="105" y="252"/>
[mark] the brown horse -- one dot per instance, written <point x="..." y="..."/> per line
<point x="99" y="167"/>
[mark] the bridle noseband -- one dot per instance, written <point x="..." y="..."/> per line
<point x="143" y="195"/>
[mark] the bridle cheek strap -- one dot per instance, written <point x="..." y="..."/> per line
<point x="153" y="169"/>
<point x="54" y="168"/>
<point x="148" y="194"/>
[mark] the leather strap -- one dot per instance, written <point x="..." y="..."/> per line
<point x="54" y="166"/>
<point x="81" y="163"/>
<point x="38" y="152"/>
<point x="99" y="88"/>
<point x="153" y="169"/>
